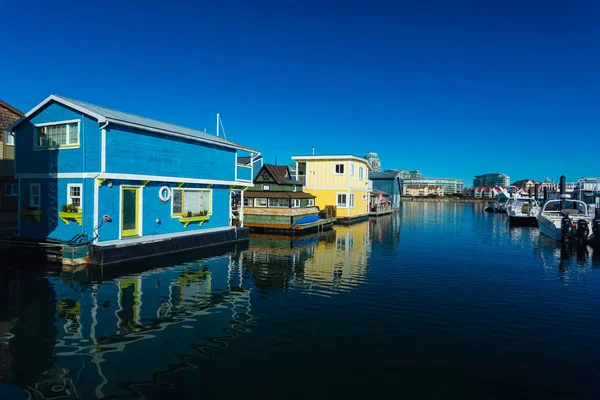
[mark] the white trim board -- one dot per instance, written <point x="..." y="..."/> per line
<point x="130" y="177"/>
<point x="158" y="238"/>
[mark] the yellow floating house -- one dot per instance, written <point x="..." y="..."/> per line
<point x="337" y="180"/>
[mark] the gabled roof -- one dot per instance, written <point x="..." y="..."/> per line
<point x="278" y="172"/>
<point x="11" y="108"/>
<point x="106" y="115"/>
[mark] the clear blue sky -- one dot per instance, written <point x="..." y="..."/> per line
<point x="453" y="88"/>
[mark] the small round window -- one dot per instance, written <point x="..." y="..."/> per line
<point x="164" y="193"/>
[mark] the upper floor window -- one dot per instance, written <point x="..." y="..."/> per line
<point x="339" y="169"/>
<point x="266" y="187"/>
<point x="351" y="169"/>
<point x="57" y="134"/>
<point x="10" y="139"/>
<point x="295" y="203"/>
<point x="311" y="203"/>
<point x="360" y="173"/>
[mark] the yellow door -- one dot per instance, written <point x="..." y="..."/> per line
<point x="130" y="212"/>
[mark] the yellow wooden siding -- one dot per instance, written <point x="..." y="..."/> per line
<point x="329" y="198"/>
<point x="321" y="173"/>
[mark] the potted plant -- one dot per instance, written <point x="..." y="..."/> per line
<point x="70" y="212"/>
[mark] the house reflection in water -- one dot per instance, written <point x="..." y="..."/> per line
<point x="104" y="339"/>
<point x="321" y="264"/>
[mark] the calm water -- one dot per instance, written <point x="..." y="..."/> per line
<point x="438" y="301"/>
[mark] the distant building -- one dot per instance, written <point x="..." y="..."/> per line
<point x="450" y="186"/>
<point x="487" y="192"/>
<point x="8" y="184"/>
<point x="492" y="179"/>
<point x="423" y="190"/>
<point x="374" y="161"/>
<point x="525" y="184"/>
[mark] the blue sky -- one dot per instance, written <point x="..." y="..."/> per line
<point x="452" y="88"/>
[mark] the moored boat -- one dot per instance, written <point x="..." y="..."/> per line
<point x="566" y="220"/>
<point x="522" y="211"/>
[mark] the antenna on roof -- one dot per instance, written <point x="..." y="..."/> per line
<point x="275" y="160"/>
<point x="220" y="124"/>
<point x="313" y="150"/>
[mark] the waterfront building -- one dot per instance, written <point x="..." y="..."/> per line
<point x="423" y="190"/>
<point x="449" y="186"/>
<point x="374" y="161"/>
<point x="390" y="182"/>
<point x="9" y="188"/>
<point x="118" y="179"/>
<point x="276" y="201"/>
<point x="526" y="184"/>
<point x="341" y="181"/>
<point x="487" y="192"/>
<point x="491" y="179"/>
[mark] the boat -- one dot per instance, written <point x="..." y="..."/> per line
<point x="500" y="207"/>
<point x="522" y="211"/>
<point x="567" y="220"/>
<point x="489" y="208"/>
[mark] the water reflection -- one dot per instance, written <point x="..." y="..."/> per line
<point x="75" y="338"/>
<point x="321" y="264"/>
<point x="438" y="289"/>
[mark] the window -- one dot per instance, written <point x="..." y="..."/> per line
<point x="34" y="195"/>
<point x="260" y="202"/>
<point x="294" y="188"/>
<point x="10" y="139"/>
<point x="341" y="200"/>
<point x="351" y="169"/>
<point x="266" y="187"/>
<point x="74" y="195"/>
<point x="360" y="173"/>
<point x="11" y="190"/>
<point x="311" y="203"/>
<point x="247" y="201"/>
<point x="339" y="169"/>
<point x="193" y="201"/>
<point x="351" y="202"/>
<point x="56" y="135"/>
<point x="282" y="203"/>
<point x="295" y="203"/>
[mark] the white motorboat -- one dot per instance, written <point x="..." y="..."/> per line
<point x="566" y="219"/>
<point x="522" y="211"/>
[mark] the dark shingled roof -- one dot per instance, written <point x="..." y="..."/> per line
<point x="278" y="173"/>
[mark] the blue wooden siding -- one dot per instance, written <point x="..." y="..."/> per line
<point x="153" y="208"/>
<point x="53" y="196"/>
<point x="244" y="173"/>
<point x="84" y="158"/>
<point x="131" y="151"/>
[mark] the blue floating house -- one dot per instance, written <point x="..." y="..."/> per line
<point x="114" y="180"/>
<point x="389" y="181"/>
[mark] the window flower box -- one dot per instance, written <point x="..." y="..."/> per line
<point x="187" y="220"/>
<point x="66" y="216"/>
<point x="32" y="214"/>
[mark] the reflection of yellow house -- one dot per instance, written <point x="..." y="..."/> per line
<point x="341" y="181"/>
<point x="344" y="261"/>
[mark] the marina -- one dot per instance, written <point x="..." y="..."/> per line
<point x="172" y="328"/>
